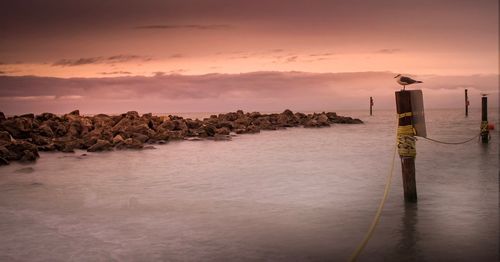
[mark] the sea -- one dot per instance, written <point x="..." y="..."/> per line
<point x="296" y="194"/>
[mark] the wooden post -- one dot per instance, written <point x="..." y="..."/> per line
<point x="485" y="133"/>
<point x="466" y="103"/>
<point x="371" y="105"/>
<point x="406" y="144"/>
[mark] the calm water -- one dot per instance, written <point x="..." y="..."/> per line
<point x="290" y="195"/>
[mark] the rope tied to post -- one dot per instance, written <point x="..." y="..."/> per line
<point x="406" y="141"/>
<point x="484" y="126"/>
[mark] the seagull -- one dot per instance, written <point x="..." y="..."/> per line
<point x="404" y="81"/>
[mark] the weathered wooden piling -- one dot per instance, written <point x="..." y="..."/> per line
<point x="466" y="103"/>
<point x="406" y="144"/>
<point x="371" y="105"/>
<point x="485" y="133"/>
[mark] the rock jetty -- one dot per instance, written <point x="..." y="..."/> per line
<point x="22" y="137"/>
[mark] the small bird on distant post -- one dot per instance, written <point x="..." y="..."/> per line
<point x="404" y="81"/>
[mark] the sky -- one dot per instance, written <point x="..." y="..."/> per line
<point x="223" y="55"/>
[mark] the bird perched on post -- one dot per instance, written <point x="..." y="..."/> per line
<point x="404" y="81"/>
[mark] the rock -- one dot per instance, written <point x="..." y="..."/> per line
<point x="45" y="130"/>
<point x="209" y="130"/>
<point x="252" y="129"/>
<point x="140" y="137"/>
<point x="75" y="112"/>
<point x="100" y="145"/>
<point x="18" y="127"/>
<point x="40" y="140"/>
<point x="5" y="155"/>
<point x="323" y="120"/>
<point x="193" y="139"/>
<point x="5" y="138"/>
<point x="75" y="129"/>
<point x="218" y="137"/>
<point x="311" y="123"/>
<point x="243" y="121"/>
<point x="167" y="125"/>
<point x="2" y="116"/>
<point x="331" y="115"/>
<point x="57" y="127"/>
<point x="71" y="146"/>
<point x="131" y="115"/>
<point x="49" y="147"/>
<point x="19" y="148"/>
<point x="117" y="139"/>
<point x="28" y="156"/>
<point x="174" y="135"/>
<point x="149" y="147"/>
<point x="263" y="123"/>
<point x="30" y="116"/>
<point x="222" y="131"/>
<point x="161" y="136"/>
<point x="3" y="161"/>
<point x="193" y="124"/>
<point x="46" y="116"/>
<point x="102" y="121"/>
<point x="130" y="143"/>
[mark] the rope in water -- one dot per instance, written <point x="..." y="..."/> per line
<point x="452" y="143"/>
<point x="376" y="219"/>
<point x="405" y="146"/>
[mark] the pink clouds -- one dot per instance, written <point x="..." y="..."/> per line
<point x="264" y="91"/>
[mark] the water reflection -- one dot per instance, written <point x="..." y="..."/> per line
<point x="407" y="247"/>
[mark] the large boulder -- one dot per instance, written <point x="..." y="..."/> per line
<point x="20" y="148"/>
<point x="18" y="127"/>
<point x="5" y="138"/>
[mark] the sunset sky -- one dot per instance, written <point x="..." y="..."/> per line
<point x="181" y="55"/>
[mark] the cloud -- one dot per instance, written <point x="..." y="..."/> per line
<point x="322" y="54"/>
<point x="189" y="26"/>
<point x="267" y="90"/>
<point x="101" y="60"/>
<point x="176" y="56"/>
<point x="116" y="73"/>
<point x="388" y="51"/>
<point x="291" y="59"/>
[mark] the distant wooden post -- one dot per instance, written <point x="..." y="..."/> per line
<point x="406" y="144"/>
<point x="466" y="103"/>
<point x="485" y="133"/>
<point x="371" y="105"/>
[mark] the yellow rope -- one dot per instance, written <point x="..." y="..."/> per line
<point x="376" y="219"/>
<point x="406" y="141"/>
<point x="484" y="126"/>
<point x="405" y="114"/>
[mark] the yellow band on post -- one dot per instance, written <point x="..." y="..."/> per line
<point x="405" y="114"/>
